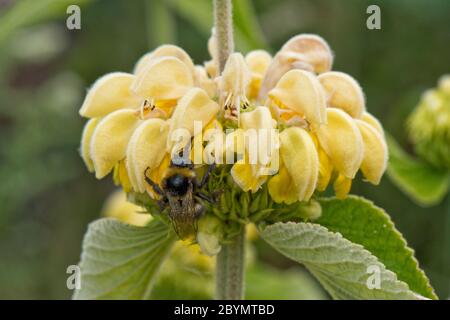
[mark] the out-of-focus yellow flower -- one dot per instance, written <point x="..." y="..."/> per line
<point x="117" y="206"/>
<point x="429" y="125"/>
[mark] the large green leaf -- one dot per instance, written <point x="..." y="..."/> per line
<point x="119" y="261"/>
<point x="341" y="266"/>
<point x="423" y="183"/>
<point x="361" y="222"/>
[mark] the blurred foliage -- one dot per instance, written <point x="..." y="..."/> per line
<point x="46" y="195"/>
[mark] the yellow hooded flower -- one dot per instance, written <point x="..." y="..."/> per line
<point x="306" y="51"/>
<point x="297" y="178"/>
<point x="343" y="92"/>
<point x="233" y="84"/>
<point x="297" y="97"/>
<point x="109" y="140"/>
<point x="109" y="93"/>
<point x="260" y="140"/>
<point x="146" y="149"/>
<point x="195" y="107"/>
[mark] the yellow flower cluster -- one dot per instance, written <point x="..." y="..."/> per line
<point x="311" y="124"/>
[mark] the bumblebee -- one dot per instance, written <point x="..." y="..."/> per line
<point x="181" y="194"/>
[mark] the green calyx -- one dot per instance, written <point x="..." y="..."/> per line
<point x="232" y="208"/>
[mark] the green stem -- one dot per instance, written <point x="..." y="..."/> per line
<point x="230" y="260"/>
<point x="223" y="24"/>
<point x="230" y="269"/>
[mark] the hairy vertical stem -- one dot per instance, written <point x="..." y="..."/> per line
<point x="223" y="24"/>
<point x="230" y="260"/>
<point x="230" y="269"/>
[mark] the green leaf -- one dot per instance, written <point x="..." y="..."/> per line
<point x="120" y="261"/>
<point x="423" y="183"/>
<point x="264" y="282"/>
<point x="246" y="21"/>
<point x="361" y="222"/>
<point x="340" y="265"/>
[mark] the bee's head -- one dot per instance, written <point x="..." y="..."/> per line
<point x="177" y="184"/>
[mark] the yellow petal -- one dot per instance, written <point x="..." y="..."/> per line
<point x="110" y="139"/>
<point x="165" y="78"/>
<point x="343" y="92"/>
<point x="203" y="81"/>
<point x="301" y="92"/>
<point x="259" y="118"/>
<point x="194" y="106"/>
<point x="306" y="51"/>
<point x="325" y="166"/>
<point x="146" y="150"/>
<point x="258" y="61"/>
<point x="121" y="176"/>
<point x="300" y="158"/>
<point x="260" y="137"/>
<point x="166" y="50"/>
<point x="342" y="186"/>
<point x="375" y="153"/>
<point x="282" y="187"/>
<point x="342" y="142"/>
<point x="109" y="93"/>
<point x="85" y="149"/>
<point x="247" y="176"/>
<point x="235" y="76"/>
<point x="370" y="119"/>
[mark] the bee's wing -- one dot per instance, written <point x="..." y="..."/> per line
<point x="182" y="214"/>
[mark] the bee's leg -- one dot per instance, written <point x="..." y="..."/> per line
<point x="153" y="184"/>
<point x="162" y="203"/>
<point x="206" y="175"/>
<point x="205" y="197"/>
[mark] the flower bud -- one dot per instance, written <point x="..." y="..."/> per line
<point x="109" y="93"/>
<point x="209" y="234"/>
<point x="343" y="92"/>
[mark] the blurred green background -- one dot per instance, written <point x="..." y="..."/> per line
<point x="47" y="197"/>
